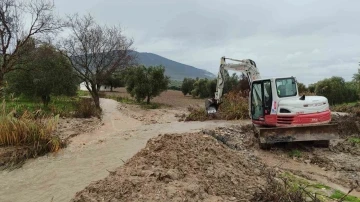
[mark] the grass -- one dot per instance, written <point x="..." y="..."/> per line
<point x="323" y="192"/>
<point x="295" y="153"/>
<point x="340" y="195"/>
<point x="355" y="140"/>
<point x="34" y="134"/>
<point x="60" y="105"/>
<point x="351" y="108"/>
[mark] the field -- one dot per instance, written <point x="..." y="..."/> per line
<point x="171" y="98"/>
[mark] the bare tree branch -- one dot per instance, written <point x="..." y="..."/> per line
<point x="95" y="51"/>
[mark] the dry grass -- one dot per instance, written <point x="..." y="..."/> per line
<point x="85" y="108"/>
<point x="351" y="108"/>
<point x="281" y="190"/>
<point x="34" y="134"/>
<point x="234" y="106"/>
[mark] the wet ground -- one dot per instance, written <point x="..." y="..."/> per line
<point x="89" y="157"/>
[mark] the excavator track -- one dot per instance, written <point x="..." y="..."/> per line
<point x="316" y="133"/>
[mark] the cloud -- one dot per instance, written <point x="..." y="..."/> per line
<point x="308" y="39"/>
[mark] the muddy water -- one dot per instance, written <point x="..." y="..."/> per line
<point x="88" y="158"/>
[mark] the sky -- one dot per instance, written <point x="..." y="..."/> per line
<point x="308" y="39"/>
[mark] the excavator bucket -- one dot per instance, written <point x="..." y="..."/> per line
<point x="211" y="106"/>
<point x="325" y="132"/>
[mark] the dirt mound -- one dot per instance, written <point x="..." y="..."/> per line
<point x="238" y="137"/>
<point x="189" y="167"/>
<point x="348" y="125"/>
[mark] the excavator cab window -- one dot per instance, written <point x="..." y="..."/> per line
<point x="286" y="87"/>
<point x="261" y="99"/>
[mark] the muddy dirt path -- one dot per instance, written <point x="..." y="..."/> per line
<point x="89" y="157"/>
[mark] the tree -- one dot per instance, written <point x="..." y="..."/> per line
<point x="17" y="28"/>
<point x="336" y="90"/>
<point x="312" y="87"/>
<point x="114" y="81"/>
<point x="187" y="86"/>
<point x="49" y="73"/>
<point x="146" y="83"/>
<point x="96" y="52"/>
<point x="301" y="87"/>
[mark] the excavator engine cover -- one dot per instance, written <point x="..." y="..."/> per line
<point x="323" y="132"/>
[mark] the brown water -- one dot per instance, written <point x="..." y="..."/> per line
<point x="57" y="177"/>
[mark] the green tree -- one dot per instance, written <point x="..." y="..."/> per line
<point x="20" y="21"/>
<point x="201" y="88"/>
<point x="114" y="81"/>
<point x="336" y="90"/>
<point x="230" y="82"/>
<point x="301" y="87"/>
<point x="187" y="85"/>
<point x="49" y="73"/>
<point x="146" y="83"/>
<point x="312" y="87"/>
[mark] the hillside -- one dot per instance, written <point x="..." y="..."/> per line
<point x="176" y="70"/>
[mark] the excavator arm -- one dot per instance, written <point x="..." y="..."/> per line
<point x="246" y="66"/>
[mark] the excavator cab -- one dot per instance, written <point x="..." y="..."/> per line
<point x="281" y="115"/>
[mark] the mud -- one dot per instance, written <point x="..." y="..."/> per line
<point x="71" y="127"/>
<point x="188" y="167"/>
<point x="337" y="166"/>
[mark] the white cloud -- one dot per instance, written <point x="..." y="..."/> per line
<point x="308" y="39"/>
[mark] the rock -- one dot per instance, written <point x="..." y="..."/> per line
<point x="173" y="174"/>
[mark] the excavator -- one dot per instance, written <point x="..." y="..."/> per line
<point x="276" y="109"/>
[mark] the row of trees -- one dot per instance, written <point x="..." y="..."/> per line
<point x="336" y="89"/>
<point x="203" y="88"/>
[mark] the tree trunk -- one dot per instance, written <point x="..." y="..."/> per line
<point x="2" y="85"/>
<point x="95" y="96"/>
<point x="148" y="100"/>
<point x="111" y="88"/>
<point x="45" y="99"/>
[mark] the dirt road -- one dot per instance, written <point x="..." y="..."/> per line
<point x="89" y="157"/>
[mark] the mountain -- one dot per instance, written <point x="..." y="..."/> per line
<point x="173" y="69"/>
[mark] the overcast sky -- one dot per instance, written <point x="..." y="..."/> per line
<point x="308" y="39"/>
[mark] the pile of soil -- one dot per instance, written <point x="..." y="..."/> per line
<point x="186" y="167"/>
<point x="238" y="137"/>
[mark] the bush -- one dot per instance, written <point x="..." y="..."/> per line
<point x="234" y="106"/>
<point x="29" y="130"/>
<point x="85" y="108"/>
